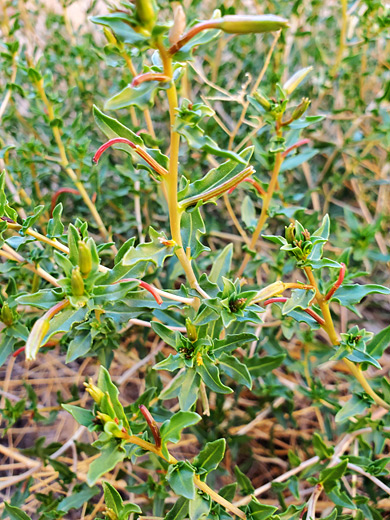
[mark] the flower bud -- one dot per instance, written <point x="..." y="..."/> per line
<point x="35" y="339"/>
<point x="146" y="13"/>
<point x="260" y="98"/>
<point x="179" y="24"/>
<point x="103" y="417"/>
<point x="300" y="109"/>
<point x="244" y="24"/>
<point x="269" y="291"/>
<point x="95" y="392"/>
<point x="77" y="282"/>
<point x="237" y="304"/>
<point x="85" y="259"/>
<point x="292" y="83"/>
<point x="6" y="315"/>
<point x="113" y="429"/>
<point x="191" y="330"/>
<point x="109" y="35"/>
<point x="290" y="233"/>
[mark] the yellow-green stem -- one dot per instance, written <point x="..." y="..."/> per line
<point x="264" y="210"/>
<point x="170" y="181"/>
<point x="330" y="330"/>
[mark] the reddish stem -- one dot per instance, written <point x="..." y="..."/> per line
<point x="339" y="281"/>
<point x="19" y="351"/>
<point x="152" y="425"/>
<point x="202" y="26"/>
<point x="145" y="286"/>
<point x="140" y="151"/>
<point x="296" y="145"/>
<point x="109" y="143"/>
<point x="275" y="300"/>
<point x="149" y="76"/>
<point x="310" y="312"/>
<point x="55" y="309"/>
<point x="58" y="193"/>
<point x="254" y="183"/>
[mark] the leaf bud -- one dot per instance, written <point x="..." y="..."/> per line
<point x="35" y="338"/>
<point x="77" y="282"/>
<point x="300" y="109"/>
<point x="290" y="233"/>
<point x="6" y="315"/>
<point x="260" y="98"/>
<point x="191" y="330"/>
<point x="85" y="259"/>
<point x="146" y="13"/>
<point x="109" y="35"/>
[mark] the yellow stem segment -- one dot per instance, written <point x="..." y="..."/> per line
<point x="170" y="181"/>
<point x="330" y="330"/>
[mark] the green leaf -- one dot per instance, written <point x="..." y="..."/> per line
<point x="355" y="406"/>
<point x="210" y="375"/>
<point x="142" y="96"/>
<point x="231" y="342"/>
<point x="260" y="511"/>
<point x="120" y="23"/>
<point x="340" y="498"/>
<point x="5" y="208"/>
<point x="243" y="482"/>
<point x="235" y="369"/>
<point x="111" y="128"/>
<point x="192" y="228"/>
<point x="179" y="510"/>
<point x="299" y="299"/>
<point x="112" y="498"/>
<point x="199" y="507"/>
<point x="110" y="456"/>
<point x="79" y="346"/>
<point x="171" y="429"/>
<point x="55" y="227"/>
<point x="82" y="416"/>
<point x="329" y="477"/>
<point x="170" y="337"/>
<point x="221" y="265"/>
<point x="30" y="221"/>
<point x="76" y="500"/>
<point x="321" y="449"/>
<point x="106" y="385"/>
<point x="189" y="390"/>
<point x="154" y="251"/>
<point x="210" y="456"/>
<point x="65" y="320"/>
<point x="351" y="294"/>
<point x="294" y="161"/>
<point x="171" y="363"/>
<point x="379" y="343"/>
<point x="214" y="181"/>
<point x="15" y="513"/>
<point x="181" y="479"/>
<point x="260" y="366"/>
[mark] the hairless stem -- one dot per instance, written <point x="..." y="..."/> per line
<point x="338" y="283"/>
